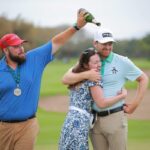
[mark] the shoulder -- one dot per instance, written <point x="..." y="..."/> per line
<point x="121" y="58"/>
<point x="2" y="63"/>
<point x="40" y="49"/>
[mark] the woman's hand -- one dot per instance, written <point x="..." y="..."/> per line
<point x="123" y="93"/>
<point x="93" y="75"/>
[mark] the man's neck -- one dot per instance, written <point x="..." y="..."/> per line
<point x="103" y="58"/>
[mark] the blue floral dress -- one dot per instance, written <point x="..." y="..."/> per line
<point x="74" y="134"/>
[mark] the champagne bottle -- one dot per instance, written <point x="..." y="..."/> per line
<point x="89" y="17"/>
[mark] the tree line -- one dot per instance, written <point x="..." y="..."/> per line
<point x="37" y="35"/>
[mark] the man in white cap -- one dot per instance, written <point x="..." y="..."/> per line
<point x="110" y="129"/>
<point x="20" y="80"/>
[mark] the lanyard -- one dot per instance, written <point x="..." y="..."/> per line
<point x="16" y="77"/>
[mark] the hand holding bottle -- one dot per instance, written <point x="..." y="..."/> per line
<point x="88" y="16"/>
<point x="80" y="20"/>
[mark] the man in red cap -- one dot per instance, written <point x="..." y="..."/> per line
<point x="20" y="78"/>
<point x="10" y="41"/>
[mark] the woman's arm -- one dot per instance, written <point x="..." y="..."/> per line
<point x="98" y="97"/>
<point x="70" y="78"/>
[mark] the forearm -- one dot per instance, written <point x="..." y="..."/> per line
<point x="71" y="78"/>
<point x="106" y="102"/>
<point x="60" y="39"/>
<point x="142" y="87"/>
<point x="101" y="101"/>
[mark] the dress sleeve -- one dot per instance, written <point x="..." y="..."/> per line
<point x="91" y="83"/>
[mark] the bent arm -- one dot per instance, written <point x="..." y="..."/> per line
<point x="70" y="78"/>
<point x="60" y="39"/>
<point x="98" y="97"/>
<point x="141" y="89"/>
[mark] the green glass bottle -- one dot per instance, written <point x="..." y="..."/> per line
<point x="89" y="17"/>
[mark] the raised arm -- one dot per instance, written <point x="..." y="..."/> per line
<point x="61" y="38"/>
<point x="72" y="78"/>
<point x="98" y="97"/>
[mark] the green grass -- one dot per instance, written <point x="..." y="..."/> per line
<point x="131" y="85"/>
<point x="139" y="135"/>
<point x="50" y="127"/>
<point x="142" y="63"/>
<point x="51" y="81"/>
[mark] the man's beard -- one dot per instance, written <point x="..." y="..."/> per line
<point x="17" y="59"/>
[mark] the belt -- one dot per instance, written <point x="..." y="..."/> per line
<point x="108" y="112"/>
<point x="16" y="121"/>
<point x="80" y="110"/>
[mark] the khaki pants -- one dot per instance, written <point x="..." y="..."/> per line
<point x="110" y="132"/>
<point x="18" y="136"/>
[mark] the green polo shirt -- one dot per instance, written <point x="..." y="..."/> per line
<point x="108" y="59"/>
<point x="116" y="70"/>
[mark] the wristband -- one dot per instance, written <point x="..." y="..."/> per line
<point x="76" y="27"/>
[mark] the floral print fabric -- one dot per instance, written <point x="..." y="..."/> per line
<point x="74" y="134"/>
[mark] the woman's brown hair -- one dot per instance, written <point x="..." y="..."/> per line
<point x="83" y="63"/>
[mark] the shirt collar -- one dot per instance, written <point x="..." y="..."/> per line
<point x="109" y="58"/>
<point x="3" y="63"/>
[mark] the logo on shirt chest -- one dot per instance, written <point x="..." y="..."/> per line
<point x="111" y="71"/>
<point x="114" y="70"/>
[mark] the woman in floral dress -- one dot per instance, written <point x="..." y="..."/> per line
<point x="74" y="134"/>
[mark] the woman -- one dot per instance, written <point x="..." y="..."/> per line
<point x="74" y="135"/>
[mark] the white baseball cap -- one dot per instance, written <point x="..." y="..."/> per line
<point x="103" y="35"/>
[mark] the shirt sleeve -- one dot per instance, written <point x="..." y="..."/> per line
<point x="132" y="72"/>
<point x="42" y="55"/>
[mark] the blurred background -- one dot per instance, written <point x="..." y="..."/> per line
<point x="39" y="20"/>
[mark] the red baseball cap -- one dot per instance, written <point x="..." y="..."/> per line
<point x="10" y="39"/>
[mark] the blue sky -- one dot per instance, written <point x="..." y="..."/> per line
<point x="126" y="18"/>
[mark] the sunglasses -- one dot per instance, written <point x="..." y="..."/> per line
<point x="89" y="50"/>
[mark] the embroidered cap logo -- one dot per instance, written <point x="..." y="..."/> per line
<point x="106" y="35"/>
